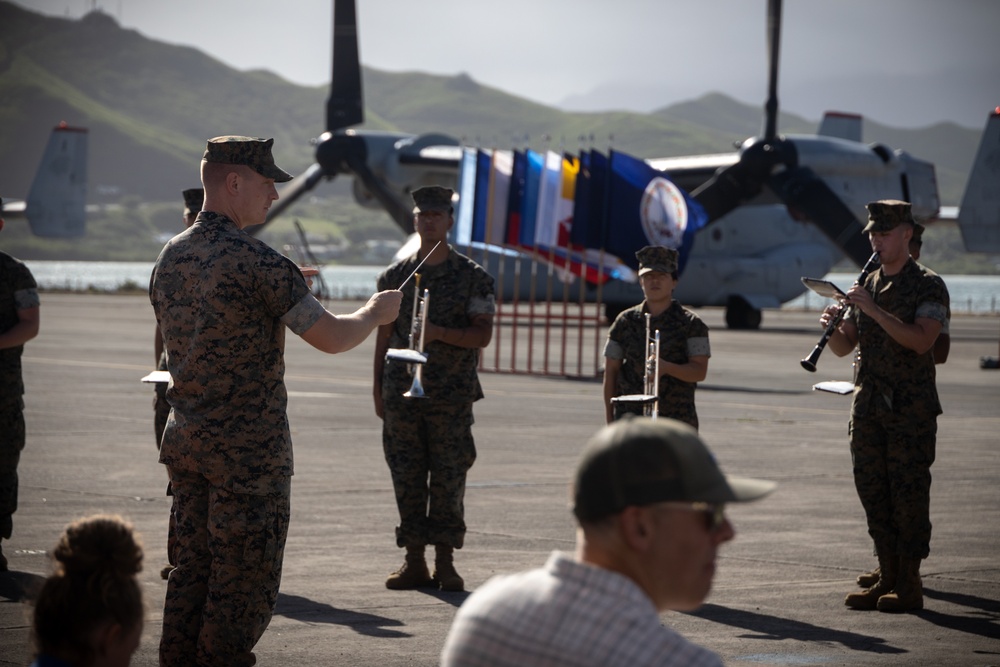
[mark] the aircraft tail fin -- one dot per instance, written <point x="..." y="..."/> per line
<point x="56" y="204"/>
<point x="979" y="214"/>
<point x="841" y="126"/>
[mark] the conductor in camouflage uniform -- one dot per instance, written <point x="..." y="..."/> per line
<point x="684" y="347"/>
<point x="19" y="318"/>
<point x="897" y="315"/>
<point x="222" y="301"/>
<point x="428" y="441"/>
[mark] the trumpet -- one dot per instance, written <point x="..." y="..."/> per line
<point x="809" y="363"/>
<point x="414" y="355"/>
<point x="650" y="400"/>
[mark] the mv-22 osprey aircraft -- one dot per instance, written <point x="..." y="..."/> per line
<point x="755" y="248"/>
<point x="750" y="256"/>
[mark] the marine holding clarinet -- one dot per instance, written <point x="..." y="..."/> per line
<point x="896" y="314"/>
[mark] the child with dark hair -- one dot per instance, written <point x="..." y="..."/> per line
<point x="89" y="612"/>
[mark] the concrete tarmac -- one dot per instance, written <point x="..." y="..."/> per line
<point x="779" y="587"/>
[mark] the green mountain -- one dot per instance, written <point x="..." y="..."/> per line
<point x="150" y="106"/>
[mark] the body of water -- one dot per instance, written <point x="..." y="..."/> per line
<point x="969" y="294"/>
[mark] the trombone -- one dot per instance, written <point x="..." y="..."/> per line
<point x="414" y="355"/>
<point x="650" y="400"/>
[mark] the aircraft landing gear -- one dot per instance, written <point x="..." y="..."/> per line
<point x="740" y="314"/>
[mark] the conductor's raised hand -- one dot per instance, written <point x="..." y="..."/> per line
<point x="385" y="305"/>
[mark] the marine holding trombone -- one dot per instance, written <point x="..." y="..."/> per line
<point x="896" y="314"/>
<point x="426" y="409"/>
<point x="683" y="349"/>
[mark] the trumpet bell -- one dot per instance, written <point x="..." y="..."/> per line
<point x="416" y="389"/>
<point x="405" y="355"/>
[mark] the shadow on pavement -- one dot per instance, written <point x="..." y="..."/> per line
<point x="985" y="622"/>
<point x="775" y="627"/>
<point x="455" y="599"/>
<point x="20" y="586"/>
<point x="310" y="611"/>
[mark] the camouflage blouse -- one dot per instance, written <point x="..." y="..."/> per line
<point x="18" y="291"/>
<point x="887" y="371"/>
<point x="682" y="335"/>
<point x="223" y="299"/>
<point x="458" y="289"/>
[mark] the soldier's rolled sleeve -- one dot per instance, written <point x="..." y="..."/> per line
<point x="698" y="347"/>
<point x="614" y="350"/>
<point x="26" y="298"/>
<point x="482" y="305"/>
<point x="934" y="311"/>
<point x="303" y="315"/>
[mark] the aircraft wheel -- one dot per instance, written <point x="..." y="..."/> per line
<point x="613" y="310"/>
<point x="741" y="315"/>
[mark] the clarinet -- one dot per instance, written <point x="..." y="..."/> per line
<point x="809" y="363"/>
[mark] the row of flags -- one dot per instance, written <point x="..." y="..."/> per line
<point x="587" y="212"/>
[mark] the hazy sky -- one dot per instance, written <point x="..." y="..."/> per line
<point x="906" y="63"/>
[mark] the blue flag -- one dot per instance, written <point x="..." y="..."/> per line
<point x="481" y="208"/>
<point x="515" y="196"/>
<point x="646" y="208"/>
<point x="529" y="204"/>
<point x="589" y="203"/>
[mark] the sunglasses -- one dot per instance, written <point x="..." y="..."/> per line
<point x="714" y="513"/>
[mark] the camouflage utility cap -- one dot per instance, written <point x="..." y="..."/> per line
<point x="887" y="214"/>
<point x="194" y="199"/>
<point x="433" y="198"/>
<point x="656" y="258"/>
<point x="248" y="151"/>
<point x="638" y="461"/>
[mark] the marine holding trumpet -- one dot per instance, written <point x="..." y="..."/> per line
<point x="426" y="409"/>
<point x="684" y="346"/>
<point x="896" y="315"/>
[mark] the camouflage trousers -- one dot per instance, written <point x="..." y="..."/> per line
<point x="227" y="541"/>
<point x="11" y="444"/>
<point x="892" y="457"/>
<point x="429" y="448"/>
<point x="161" y="410"/>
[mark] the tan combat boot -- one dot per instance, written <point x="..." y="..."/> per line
<point x="413" y="574"/>
<point x="908" y="594"/>
<point x="444" y="569"/>
<point x="869" y="579"/>
<point x="868" y="598"/>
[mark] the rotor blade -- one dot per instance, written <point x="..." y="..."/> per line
<point x="774" y="44"/>
<point x="743" y="180"/>
<point x="399" y="211"/>
<point x="805" y="192"/>
<point x="300" y="185"/>
<point x="345" y="106"/>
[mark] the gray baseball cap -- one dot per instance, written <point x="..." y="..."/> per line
<point x="640" y="461"/>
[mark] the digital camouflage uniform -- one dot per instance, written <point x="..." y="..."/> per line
<point x="161" y="408"/>
<point x="194" y="198"/>
<point x="18" y="291"/>
<point x="428" y="442"/>
<point x="222" y="301"/>
<point x="894" y="414"/>
<point x="682" y="335"/>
